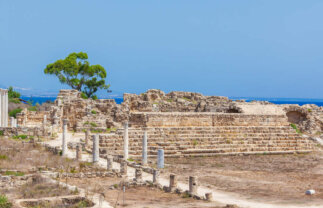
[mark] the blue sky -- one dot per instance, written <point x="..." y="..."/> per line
<point x="259" y="48"/>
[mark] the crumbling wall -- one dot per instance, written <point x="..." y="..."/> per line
<point x="158" y="101"/>
<point x="208" y="119"/>
<point x="31" y="118"/>
<point x="308" y="118"/>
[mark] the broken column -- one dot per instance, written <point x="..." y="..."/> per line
<point x="78" y="152"/>
<point x="138" y="174"/>
<point x="160" y="158"/>
<point x="125" y="141"/>
<point x="87" y="136"/>
<point x="208" y="197"/>
<point x="44" y="124"/>
<point x="172" y="182"/>
<point x="123" y="167"/>
<point x="155" y="176"/>
<point x="12" y="121"/>
<point x="4" y="108"/>
<point x="193" y="185"/>
<point x="64" y="136"/>
<point x="109" y="162"/>
<point x="95" y="149"/>
<point x="144" y="148"/>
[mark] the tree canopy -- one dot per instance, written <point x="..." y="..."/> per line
<point x="77" y="72"/>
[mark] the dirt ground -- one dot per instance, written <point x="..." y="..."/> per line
<point x="139" y="197"/>
<point x="271" y="178"/>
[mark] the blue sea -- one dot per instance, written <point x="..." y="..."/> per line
<point x="299" y="101"/>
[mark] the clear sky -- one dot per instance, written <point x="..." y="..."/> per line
<point x="261" y="48"/>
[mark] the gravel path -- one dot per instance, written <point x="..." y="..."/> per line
<point x="219" y="196"/>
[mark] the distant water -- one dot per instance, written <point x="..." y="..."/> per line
<point x="299" y="101"/>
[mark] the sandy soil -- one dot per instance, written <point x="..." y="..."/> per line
<point x="139" y="197"/>
<point x="274" y="178"/>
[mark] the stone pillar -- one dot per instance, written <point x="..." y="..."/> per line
<point x="208" y="197"/>
<point x="155" y="176"/>
<point x="12" y="121"/>
<point x="78" y="152"/>
<point x="64" y="144"/>
<point x="193" y="185"/>
<point x="138" y="174"/>
<point x="123" y="167"/>
<point x="6" y="108"/>
<point x="95" y="149"/>
<point x="15" y="122"/>
<point x="109" y="162"/>
<point x="144" y="149"/>
<point x="45" y="124"/>
<point x="160" y="158"/>
<point x="87" y="136"/>
<point x="125" y="141"/>
<point x="172" y="182"/>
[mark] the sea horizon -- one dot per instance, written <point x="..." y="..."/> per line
<point x="119" y="100"/>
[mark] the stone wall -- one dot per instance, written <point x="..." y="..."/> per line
<point x="32" y="118"/>
<point x="158" y="101"/>
<point x="29" y="131"/>
<point x="204" y="119"/>
<point x="105" y="113"/>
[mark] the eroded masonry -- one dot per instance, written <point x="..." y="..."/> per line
<point x="181" y="123"/>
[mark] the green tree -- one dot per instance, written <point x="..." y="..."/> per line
<point x="77" y="72"/>
<point x="12" y="93"/>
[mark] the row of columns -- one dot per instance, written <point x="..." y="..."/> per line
<point x="193" y="182"/>
<point x="3" y="108"/>
<point x="144" y="158"/>
<point x="96" y="153"/>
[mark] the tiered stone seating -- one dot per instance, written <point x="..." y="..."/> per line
<point x="208" y="141"/>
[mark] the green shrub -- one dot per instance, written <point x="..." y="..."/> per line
<point x="14" y="100"/>
<point x="294" y="126"/>
<point x="1" y="133"/>
<point x="195" y="142"/>
<point x="32" y="108"/>
<point x="93" y="112"/>
<point x="84" y="96"/>
<point x="3" y="157"/>
<point x="14" y="173"/>
<point x="12" y="93"/>
<point x="94" y="97"/>
<point x="309" y="110"/>
<point x="14" y="112"/>
<point x="4" y="203"/>
<point x="93" y="124"/>
<point x="22" y="136"/>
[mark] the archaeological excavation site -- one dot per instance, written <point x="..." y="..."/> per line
<point x="179" y="149"/>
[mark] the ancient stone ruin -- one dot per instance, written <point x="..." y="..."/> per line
<point x="181" y="123"/>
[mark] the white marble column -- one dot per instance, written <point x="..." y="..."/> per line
<point x="95" y="148"/>
<point x="12" y="121"/>
<point x="6" y="108"/>
<point x="125" y="141"/>
<point x="64" y="138"/>
<point x="144" y="148"/>
<point x="1" y="92"/>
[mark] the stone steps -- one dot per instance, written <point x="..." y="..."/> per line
<point x="203" y="141"/>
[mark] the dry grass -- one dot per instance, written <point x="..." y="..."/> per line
<point x="282" y="178"/>
<point x="39" y="188"/>
<point x="23" y="156"/>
